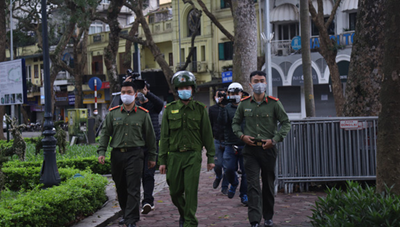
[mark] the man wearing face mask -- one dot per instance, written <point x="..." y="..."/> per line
<point x="260" y="135"/>
<point x="233" y="157"/>
<point x="185" y="129"/>
<point x="154" y="105"/>
<point x="218" y="134"/>
<point x="130" y="129"/>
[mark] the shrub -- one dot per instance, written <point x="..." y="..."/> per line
<point x="357" y="207"/>
<point x="81" y="163"/>
<point x="56" y="206"/>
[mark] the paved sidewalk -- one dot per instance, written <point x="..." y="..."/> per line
<point x="215" y="209"/>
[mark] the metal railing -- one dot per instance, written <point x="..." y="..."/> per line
<point x="328" y="149"/>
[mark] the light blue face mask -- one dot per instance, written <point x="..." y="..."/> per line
<point x="185" y="94"/>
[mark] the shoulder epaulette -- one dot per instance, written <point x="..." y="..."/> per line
<point x="144" y="109"/>
<point x="245" y="98"/>
<point x="201" y="104"/>
<point x="272" y="97"/>
<point x="114" y="108"/>
<point x="168" y="104"/>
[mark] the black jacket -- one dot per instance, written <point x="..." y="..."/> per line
<point x="225" y="117"/>
<point x="154" y="106"/>
<point x="217" y="128"/>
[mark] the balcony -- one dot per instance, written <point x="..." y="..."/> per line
<point x="281" y="47"/>
<point x="194" y="66"/>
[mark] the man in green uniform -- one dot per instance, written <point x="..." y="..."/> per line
<point x="130" y="129"/>
<point x="185" y="129"/>
<point x="260" y="136"/>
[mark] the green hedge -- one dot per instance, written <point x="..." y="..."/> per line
<point x="357" y="207"/>
<point x="81" y="163"/>
<point x="56" y="206"/>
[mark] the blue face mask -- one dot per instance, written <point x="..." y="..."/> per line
<point x="184" y="94"/>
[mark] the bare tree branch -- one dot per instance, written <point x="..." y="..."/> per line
<point x="215" y="21"/>
<point x="134" y="39"/>
<point x="333" y="13"/>
<point x="189" y="57"/>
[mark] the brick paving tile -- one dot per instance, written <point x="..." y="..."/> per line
<point x="216" y="209"/>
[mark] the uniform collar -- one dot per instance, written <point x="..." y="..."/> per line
<point x="190" y="104"/>
<point x="123" y="108"/>
<point x="265" y="99"/>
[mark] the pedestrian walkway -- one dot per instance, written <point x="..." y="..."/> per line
<point x="215" y="209"/>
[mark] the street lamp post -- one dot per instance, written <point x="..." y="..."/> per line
<point x="268" y="69"/>
<point x="49" y="175"/>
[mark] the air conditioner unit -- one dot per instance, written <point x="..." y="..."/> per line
<point x="202" y="67"/>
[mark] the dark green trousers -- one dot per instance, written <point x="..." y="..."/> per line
<point x="261" y="201"/>
<point x="126" y="170"/>
<point x="183" y="172"/>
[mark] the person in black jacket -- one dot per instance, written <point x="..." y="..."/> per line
<point x="233" y="157"/>
<point x="218" y="134"/>
<point x="154" y="105"/>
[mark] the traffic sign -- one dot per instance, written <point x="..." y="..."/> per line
<point x="91" y="83"/>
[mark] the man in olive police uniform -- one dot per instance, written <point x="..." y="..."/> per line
<point x="260" y="135"/>
<point x="130" y="129"/>
<point x="185" y="129"/>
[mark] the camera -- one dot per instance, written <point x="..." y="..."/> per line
<point x="226" y="99"/>
<point x="136" y="79"/>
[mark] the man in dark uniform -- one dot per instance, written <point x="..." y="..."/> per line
<point x="260" y="136"/>
<point x="218" y="134"/>
<point x="130" y="129"/>
<point x="154" y="105"/>
<point x="185" y="129"/>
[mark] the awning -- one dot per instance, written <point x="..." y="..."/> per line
<point x="349" y="5"/>
<point x="327" y="4"/>
<point x="284" y="13"/>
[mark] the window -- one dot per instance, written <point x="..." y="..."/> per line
<point x="287" y="31"/>
<point x="192" y="23"/>
<point x="224" y="4"/>
<point x="352" y="21"/>
<point x="28" y="73"/>
<point x="170" y="59"/>
<point x="36" y="71"/>
<point x="331" y="29"/>
<point x="225" y="51"/>
<point x="95" y="27"/>
<point x="151" y="18"/>
<point x="203" y="53"/>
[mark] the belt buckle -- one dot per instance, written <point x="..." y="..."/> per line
<point x="182" y="150"/>
<point x="259" y="144"/>
<point x="123" y="150"/>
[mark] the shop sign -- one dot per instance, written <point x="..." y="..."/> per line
<point x="88" y="97"/>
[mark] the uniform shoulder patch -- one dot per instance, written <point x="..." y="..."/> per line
<point x="114" y="108"/>
<point x="272" y="97"/>
<point x="245" y="98"/>
<point x="144" y="109"/>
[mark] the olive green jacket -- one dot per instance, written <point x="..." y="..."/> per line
<point x="128" y="129"/>
<point x="261" y="119"/>
<point x="185" y="128"/>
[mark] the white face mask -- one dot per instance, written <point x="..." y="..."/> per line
<point x="236" y="97"/>
<point x="127" y="99"/>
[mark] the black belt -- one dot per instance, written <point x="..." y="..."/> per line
<point x="127" y="149"/>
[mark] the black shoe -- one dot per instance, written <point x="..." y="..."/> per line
<point x="121" y="222"/>
<point x="216" y="183"/>
<point x="224" y="191"/>
<point x="268" y="223"/>
<point x="131" y="225"/>
<point x="255" y="224"/>
<point x="181" y="221"/>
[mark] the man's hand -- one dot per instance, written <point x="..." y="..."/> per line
<point x="162" y="169"/>
<point x="248" y="140"/>
<point x="101" y="159"/>
<point x="210" y="166"/>
<point x="151" y="164"/>
<point x="267" y="144"/>
<point x="128" y="79"/>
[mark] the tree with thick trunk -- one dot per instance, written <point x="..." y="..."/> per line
<point x="245" y="45"/>
<point x="306" y="58"/>
<point x="328" y="49"/>
<point x="388" y="154"/>
<point x="2" y="53"/>
<point x="366" y="64"/>
<point x="111" y="50"/>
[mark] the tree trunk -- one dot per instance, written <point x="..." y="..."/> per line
<point x="366" y="65"/>
<point x="388" y="154"/>
<point x="128" y="45"/>
<point x="328" y="50"/>
<point x="306" y="58"/>
<point x="2" y="54"/>
<point x="245" y="46"/>
<point x="80" y="53"/>
<point x="111" y="51"/>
